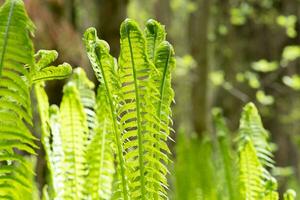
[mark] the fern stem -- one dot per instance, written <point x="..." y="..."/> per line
<point x="159" y="110"/>
<point x="117" y="137"/>
<point x="6" y="36"/>
<point x="154" y="46"/>
<point x="137" y="101"/>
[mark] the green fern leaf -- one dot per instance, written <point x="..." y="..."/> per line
<point x="251" y="127"/>
<point x="16" y="51"/>
<point x="43" y="72"/>
<point x="251" y="171"/>
<point x="74" y="132"/>
<point x="56" y="162"/>
<point x="138" y="115"/>
<point x="87" y="97"/>
<point x="155" y="34"/>
<point x="164" y="62"/>
<point x="15" y="45"/>
<point x="104" y="66"/>
<point x="52" y="72"/>
<point x="100" y="152"/>
<point x="270" y="190"/>
<point x="229" y="186"/>
<point x="49" y="117"/>
<point x="50" y="125"/>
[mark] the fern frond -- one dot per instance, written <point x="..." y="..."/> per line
<point x="251" y="171"/>
<point x="16" y="48"/>
<point x="73" y="133"/>
<point x="52" y="72"/>
<point x="16" y="51"/>
<point x="251" y="127"/>
<point x="227" y="156"/>
<point x="138" y="114"/>
<point x="56" y="160"/>
<point x="164" y="62"/>
<point x="100" y="152"/>
<point x="104" y="66"/>
<point x="51" y="140"/>
<point x="49" y="117"/>
<point x="155" y="34"/>
<point x="270" y="190"/>
<point x="139" y="96"/>
<point x="43" y="72"/>
<point x="87" y="97"/>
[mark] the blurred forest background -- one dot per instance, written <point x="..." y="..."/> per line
<point x="229" y="52"/>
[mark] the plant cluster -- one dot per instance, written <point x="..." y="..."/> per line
<point x="213" y="169"/>
<point x="112" y="144"/>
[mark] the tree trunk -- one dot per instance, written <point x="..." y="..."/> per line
<point x="198" y="31"/>
<point x="111" y="14"/>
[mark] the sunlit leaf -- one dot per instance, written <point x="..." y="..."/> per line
<point x="264" y="65"/>
<point x="292" y="81"/>
<point x="263" y="98"/>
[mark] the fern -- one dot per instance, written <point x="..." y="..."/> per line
<point x="138" y="115"/>
<point x="227" y="157"/>
<point x="49" y="117"/>
<point x="155" y="34"/>
<point x="100" y="153"/>
<point x="74" y="132"/>
<point x="163" y="58"/>
<point x="93" y="161"/>
<point x="255" y="156"/>
<point x="139" y="95"/>
<point x="16" y="51"/>
<point x="251" y="127"/>
<point x="87" y="97"/>
<point x="104" y="66"/>
<point x="270" y="190"/>
<point x="250" y="173"/>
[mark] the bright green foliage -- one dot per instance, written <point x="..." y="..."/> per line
<point x="270" y="190"/>
<point x="17" y="73"/>
<point x="50" y="118"/>
<point x="137" y="91"/>
<point x="155" y="34"/>
<point x="68" y="130"/>
<point x="80" y="156"/>
<point x="204" y="170"/>
<point x="227" y="169"/>
<point x="16" y="48"/>
<point x="255" y="157"/>
<point x="42" y="71"/>
<point x="15" y="107"/>
<point x="87" y="97"/>
<point x="100" y="153"/>
<point x="250" y="173"/>
<point x="164" y="60"/>
<point x="74" y="132"/>
<point x="104" y="67"/>
<point x="251" y="128"/>
<point x="138" y="94"/>
<point x="113" y="145"/>
<point x="195" y="171"/>
<point x="289" y="195"/>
